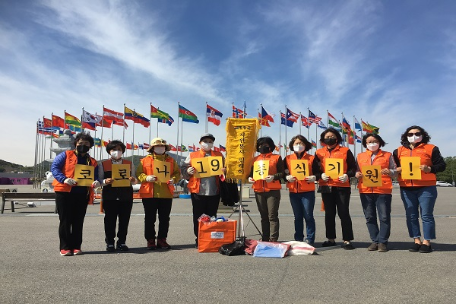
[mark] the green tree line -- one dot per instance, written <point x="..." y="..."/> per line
<point x="450" y="172"/>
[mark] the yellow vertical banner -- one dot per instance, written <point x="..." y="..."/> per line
<point x="372" y="176"/>
<point x="411" y="167"/>
<point x="241" y="136"/>
<point x="84" y="175"/>
<point x="162" y="170"/>
<point x="207" y="166"/>
<point x="260" y="169"/>
<point x="334" y="167"/>
<point x="299" y="168"/>
<point x="121" y="175"/>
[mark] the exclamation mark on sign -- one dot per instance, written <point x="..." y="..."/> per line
<point x="411" y="171"/>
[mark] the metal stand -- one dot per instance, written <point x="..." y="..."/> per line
<point x="240" y="208"/>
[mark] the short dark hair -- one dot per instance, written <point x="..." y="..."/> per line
<point x="265" y="140"/>
<point x="381" y="142"/>
<point x="112" y="144"/>
<point x="83" y="136"/>
<point x="307" y="144"/>
<point x="425" y="140"/>
<point x="333" y="131"/>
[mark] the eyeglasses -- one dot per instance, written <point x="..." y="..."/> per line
<point x="411" y="134"/>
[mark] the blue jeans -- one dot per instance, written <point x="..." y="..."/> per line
<point x="303" y="206"/>
<point x="424" y="199"/>
<point x="373" y="204"/>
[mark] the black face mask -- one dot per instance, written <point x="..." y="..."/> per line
<point x="330" y="141"/>
<point x="82" y="149"/>
<point x="264" y="149"/>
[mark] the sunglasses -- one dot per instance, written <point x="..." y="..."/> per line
<point x="416" y="134"/>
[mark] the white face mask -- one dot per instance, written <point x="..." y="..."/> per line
<point x="206" y="146"/>
<point x="372" y="147"/>
<point x="415" y="139"/>
<point x="159" y="150"/>
<point x="298" y="148"/>
<point x="116" y="154"/>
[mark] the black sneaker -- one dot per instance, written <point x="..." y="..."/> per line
<point x="328" y="244"/>
<point x="122" y="247"/>
<point x="347" y="246"/>
<point x="415" y="248"/>
<point x="425" y="249"/>
<point x="110" y="248"/>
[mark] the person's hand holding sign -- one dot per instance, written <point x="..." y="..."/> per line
<point x="291" y="178"/>
<point x="191" y="170"/>
<point x="151" y="178"/>
<point x="324" y="177"/>
<point x="343" y="178"/>
<point x="311" y="178"/>
<point x="251" y="180"/>
<point x="71" y="182"/>
<point x="132" y="180"/>
<point x="269" y="178"/>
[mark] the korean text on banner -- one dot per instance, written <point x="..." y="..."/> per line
<point x="411" y="167"/>
<point x="84" y="175"/>
<point x="241" y="136"/>
<point x="121" y="175"/>
<point x="372" y="176"/>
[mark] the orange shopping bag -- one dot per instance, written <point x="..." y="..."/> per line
<point x="211" y="236"/>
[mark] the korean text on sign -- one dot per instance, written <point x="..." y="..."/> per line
<point x="334" y="167"/>
<point x="299" y="168"/>
<point x="121" y="175"/>
<point x="162" y="170"/>
<point x="411" y="167"/>
<point x="372" y="176"/>
<point x="208" y="166"/>
<point x="260" y="169"/>
<point x="84" y="175"/>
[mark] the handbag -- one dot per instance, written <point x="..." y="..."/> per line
<point x="235" y="248"/>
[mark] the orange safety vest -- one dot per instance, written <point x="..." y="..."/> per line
<point x="147" y="189"/>
<point x="381" y="159"/>
<point x="337" y="152"/>
<point x="424" y="152"/>
<point x="110" y="192"/>
<point x="68" y="170"/>
<point x="300" y="186"/>
<point x="194" y="182"/>
<point x="262" y="185"/>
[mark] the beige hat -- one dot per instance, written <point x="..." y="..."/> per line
<point x="158" y="142"/>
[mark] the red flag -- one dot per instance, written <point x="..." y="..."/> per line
<point x="263" y="121"/>
<point x="172" y="148"/>
<point x="112" y="115"/>
<point x="58" y="122"/>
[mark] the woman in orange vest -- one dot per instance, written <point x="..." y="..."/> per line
<point x="376" y="198"/>
<point x="71" y="199"/>
<point x="157" y="196"/>
<point x="419" y="195"/>
<point x="205" y="192"/>
<point x="302" y="192"/>
<point x="267" y="190"/>
<point x="336" y="191"/>
<point x="117" y="201"/>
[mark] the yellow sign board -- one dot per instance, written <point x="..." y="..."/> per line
<point x="411" y="167"/>
<point x="121" y="175"/>
<point x="299" y="168"/>
<point x="162" y="170"/>
<point x="84" y="175"/>
<point x="334" y="167"/>
<point x="260" y="169"/>
<point x="208" y="166"/>
<point x="372" y="176"/>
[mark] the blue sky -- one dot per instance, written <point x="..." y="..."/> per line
<point x="392" y="63"/>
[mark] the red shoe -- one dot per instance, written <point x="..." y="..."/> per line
<point x="77" y="252"/>
<point x="161" y="243"/>
<point x="151" y="244"/>
<point x="64" y="252"/>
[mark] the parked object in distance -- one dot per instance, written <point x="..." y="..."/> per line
<point x="443" y="184"/>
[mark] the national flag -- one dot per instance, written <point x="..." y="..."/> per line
<point x="121" y="123"/>
<point x="89" y="121"/>
<point x="187" y="116"/>
<point x="216" y="149"/>
<point x="105" y="143"/>
<point x="266" y="115"/>
<point x="289" y="123"/>
<point x="351" y="137"/>
<point x="136" y="117"/>
<point x="157" y="113"/>
<point x="332" y="121"/>
<point x="278" y="147"/>
<point x="314" y="144"/>
<point x="357" y="125"/>
<point x="103" y="122"/>
<point x="305" y="122"/>
<point x="263" y="122"/>
<point x="369" y="128"/>
<point x="182" y="148"/>
<point x="292" y="116"/>
<point x="322" y="125"/>
<point x="72" y="120"/>
<point x="172" y="148"/>
<point x="140" y="146"/>
<point x="129" y="146"/>
<point x="358" y="139"/>
<point x="43" y="130"/>
<point x="313" y="118"/>
<point x="97" y="142"/>
<point x="47" y="123"/>
<point x="58" y="122"/>
<point x="191" y="148"/>
<point x="345" y="123"/>
<point x="213" y="115"/>
<point x="222" y="148"/>
<point x="113" y="115"/>
<point x="146" y="146"/>
<point x="238" y="113"/>
<point x="168" y="120"/>
<point x="74" y="129"/>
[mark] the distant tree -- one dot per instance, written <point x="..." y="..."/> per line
<point x="450" y="172"/>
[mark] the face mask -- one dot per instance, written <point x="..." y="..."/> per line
<point x="415" y="139"/>
<point x="298" y="148"/>
<point x="116" y="154"/>
<point x="82" y="149"/>
<point x="206" y="146"/>
<point x="264" y="149"/>
<point x="330" y="141"/>
<point x="159" y="150"/>
<point x="372" y="147"/>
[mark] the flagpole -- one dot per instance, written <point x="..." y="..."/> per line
<point x="205" y="123"/>
<point x="261" y="121"/>
<point x="101" y="138"/>
<point x="362" y="129"/>
<point x="35" y="171"/>
<point x="150" y="125"/>
<point x="354" y="137"/>
<point x="123" y="131"/>
<point x="244" y="109"/>
<point x="177" y="143"/>
<point x="280" y="133"/>
<point x="300" y="116"/>
<point x="182" y="138"/>
<point x="286" y="125"/>
<point x="52" y="136"/>
<point x="133" y="141"/>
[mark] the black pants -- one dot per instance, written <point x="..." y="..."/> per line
<point x="151" y="207"/>
<point x="72" y="209"/>
<point x="203" y="204"/>
<point x="338" y="198"/>
<point x="116" y="209"/>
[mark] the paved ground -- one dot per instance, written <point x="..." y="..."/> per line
<point x="33" y="272"/>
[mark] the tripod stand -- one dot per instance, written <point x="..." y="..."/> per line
<point x="239" y="207"/>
